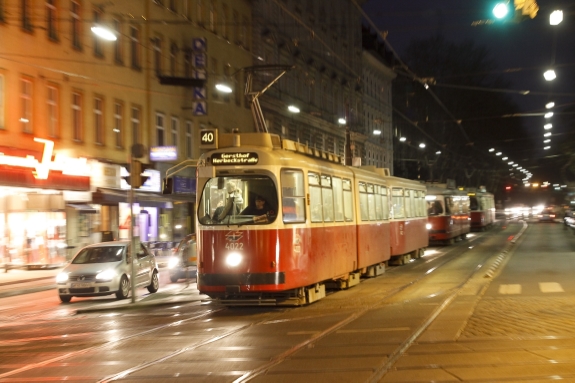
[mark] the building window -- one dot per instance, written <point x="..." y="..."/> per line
<point x="200" y="12"/>
<point x="236" y="17"/>
<point x="136" y="122"/>
<point x="53" y="116"/>
<point x="135" y="47"/>
<point x="26" y="105"/>
<point x="244" y="33"/>
<point x="160" y="124"/>
<point x="158" y="55"/>
<point x="119" y="124"/>
<point x="174" y="59"/>
<point x="189" y="129"/>
<point x="224" y="21"/>
<point x="2" y="12"/>
<point x="77" y="116"/>
<point x="76" y="26"/>
<point x="51" y="20"/>
<point x="99" y="120"/>
<point x="98" y="47"/>
<point x="26" y="15"/>
<point x="213" y="17"/>
<point x="2" y="96"/>
<point x="173" y="6"/>
<point x="118" y="51"/>
<point x="175" y="128"/>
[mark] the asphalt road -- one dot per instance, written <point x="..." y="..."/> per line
<point x="454" y="315"/>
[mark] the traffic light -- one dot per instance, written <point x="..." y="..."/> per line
<point x="144" y="175"/>
<point x="518" y="11"/>
<point x="168" y="186"/>
<point x="135" y="177"/>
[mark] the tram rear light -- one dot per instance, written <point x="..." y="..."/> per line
<point x="233" y="259"/>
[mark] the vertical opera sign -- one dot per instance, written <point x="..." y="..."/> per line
<point x="199" y="47"/>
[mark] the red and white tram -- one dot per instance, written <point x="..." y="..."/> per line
<point x="320" y="223"/>
<point x="482" y="209"/>
<point x="448" y="214"/>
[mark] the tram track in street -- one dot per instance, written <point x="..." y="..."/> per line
<point x="275" y="317"/>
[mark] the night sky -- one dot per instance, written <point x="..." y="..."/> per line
<point x="529" y="47"/>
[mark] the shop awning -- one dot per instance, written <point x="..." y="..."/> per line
<point x="104" y="196"/>
<point x="83" y="208"/>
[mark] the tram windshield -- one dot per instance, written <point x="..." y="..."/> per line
<point x="238" y="200"/>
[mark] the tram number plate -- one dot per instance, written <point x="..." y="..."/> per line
<point x="81" y="285"/>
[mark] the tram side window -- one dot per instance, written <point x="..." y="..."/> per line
<point x="449" y="205"/>
<point x="397" y="201"/>
<point x="338" y="198"/>
<point x="327" y="198"/>
<point x="464" y="205"/>
<point x="408" y="204"/>
<point x="370" y="202"/>
<point x="363" y="209"/>
<point x="347" y="200"/>
<point x="378" y="203"/>
<point x="474" y="204"/>
<point x="420" y="203"/>
<point x="293" y="196"/>
<point x="385" y="203"/>
<point x="316" y="210"/>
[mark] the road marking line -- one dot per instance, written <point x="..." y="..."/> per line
<point x="385" y="329"/>
<point x="550" y="287"/>
<point x="509" y="289"/>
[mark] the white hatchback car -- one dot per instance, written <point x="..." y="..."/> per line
<point x="104" y="269"/>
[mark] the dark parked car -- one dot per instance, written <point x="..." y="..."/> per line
<point x="184" y="261"/>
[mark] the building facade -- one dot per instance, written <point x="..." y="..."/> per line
<point x="72" y="107"/>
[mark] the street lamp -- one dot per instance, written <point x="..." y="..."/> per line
<point x="341" y="121"/>
<point x="223" y="87"/>
<point x="550" y="105"/>
<point x="293" y="109"/>
<point x="422" y="145"/>
<point x="104" y="33"/>
<point x="548" y="115"/>
<point x="547" y="126"/>
<point x="550" y="75"/>
<point x="556" y="17"/>
<point x="500" y="10"/>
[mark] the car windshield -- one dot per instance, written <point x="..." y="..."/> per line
<point x="238" y="200"/>
<point x="103" y="254"/>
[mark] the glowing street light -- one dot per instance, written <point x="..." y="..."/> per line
<point x="224" y="88"/>
<point x="548" y="134"/>
<point x="341" y="121"/>
<point x="293" y="109"/>
<point x="491" y="150"/>
<point x="548" y="115"/>
<point x="556" y="17"/>
<point x="422" y="145"/>
<point x="550" y="105"/>
<point x="402" y="139"/>
<point x="550" y="75"/>
<point x="547" y="126"/>
<point x="104" y="33"/>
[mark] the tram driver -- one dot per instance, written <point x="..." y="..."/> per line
<point x="259" y="208"/>
<point x="233" y="203"/>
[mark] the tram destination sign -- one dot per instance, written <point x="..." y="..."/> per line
<point x="242" y="158"/>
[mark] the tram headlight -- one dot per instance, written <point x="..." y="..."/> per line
<point x="428" y="226"/>
<point x="233" y="259"/>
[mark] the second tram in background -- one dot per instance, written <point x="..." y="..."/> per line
<point x="482" y="209"/>
<point x="279" y="221"/>
<point x="448" y="214"/>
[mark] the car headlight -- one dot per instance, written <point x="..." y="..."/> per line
<point x="173" y="262"/>
<point x="106" y="275"/>
<point x="428" y="226"/>
<point x="233" y="259"/>
<point x="62" y="278"/>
